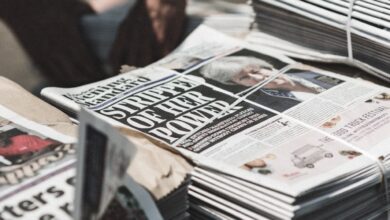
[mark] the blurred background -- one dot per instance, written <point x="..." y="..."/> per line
<point x="73" y="42"/>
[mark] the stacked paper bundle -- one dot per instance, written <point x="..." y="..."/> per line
<point x="357" y="193"/>
<point x="272" y="138"/>
<point x="350" y="31"/>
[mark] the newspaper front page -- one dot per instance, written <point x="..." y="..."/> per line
<point x="247" y="112"/>
<point x="37" y="175"/>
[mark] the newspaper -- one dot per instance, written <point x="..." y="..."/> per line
<point x="37" y="170"/>
<point x="352" y="32"/>
<point x="103" y="158"/>
<point x="156" y="160"/>
<point x="246" y="111"/>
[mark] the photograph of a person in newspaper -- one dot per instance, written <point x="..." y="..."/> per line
<point x="281" y="93"/>
<point x="225" y="72"/>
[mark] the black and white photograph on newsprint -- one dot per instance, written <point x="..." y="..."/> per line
<point x="194" y="109"/>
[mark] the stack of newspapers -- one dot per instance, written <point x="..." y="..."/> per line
<point x="271" y="138"/>
<point x="351" y="31"/>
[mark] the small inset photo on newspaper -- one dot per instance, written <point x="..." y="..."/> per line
<point x="239" y="71"/>
<point x="293" y="87"/>
<point x="295" y="162"/>
<point x="365" y="124"/>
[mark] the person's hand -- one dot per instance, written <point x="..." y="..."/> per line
<point x="151" y="30"/>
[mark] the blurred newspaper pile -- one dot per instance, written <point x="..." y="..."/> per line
<point x="347" y="31"/>
<point x="271" y="138"/>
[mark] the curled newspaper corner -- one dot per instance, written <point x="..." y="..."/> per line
<point x="103" y="158"/>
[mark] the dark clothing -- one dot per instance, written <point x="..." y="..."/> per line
<point x="50" y="33"/>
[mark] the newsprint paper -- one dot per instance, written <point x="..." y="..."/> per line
<point x="37" y="174"/>
<point x="247" y="112"/>
<point x="103" y="158"/>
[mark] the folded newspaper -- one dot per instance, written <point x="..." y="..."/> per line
<point x="36" y="169"/>
<point x="106" y="154"/>
<point x="272" y="138"/>
<point x="37" y="163"/>
<point x="347" y="31"/>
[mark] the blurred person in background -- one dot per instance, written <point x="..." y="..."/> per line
<point x="73" y="42"/>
